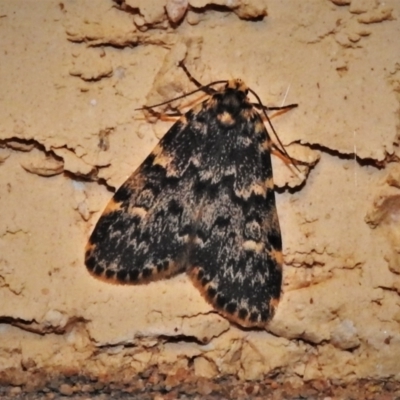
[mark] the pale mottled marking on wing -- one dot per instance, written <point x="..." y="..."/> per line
<point x="277" y="256"/>
<point x="269" y="184"/>
<point x="226" y="118"/>
<point x="89" y="247"/>
<point x="252" y="245"/>
<point x="259" y="126"/>
<point x="245" y="141"/>
<point x="257" y="188"/>
<point x="112" y="206"/>
<point x="135" y="181"/>
<point x="139" y="211"/>
<point x="161" y="157"/>
<point x="268" y="145"/>
<point x="273" y="303"/>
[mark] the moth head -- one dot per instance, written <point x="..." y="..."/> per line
<point x="231" y="101"/>
<point x="237" y="84"/>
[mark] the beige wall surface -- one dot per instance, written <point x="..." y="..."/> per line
<point x="72" y="75"/>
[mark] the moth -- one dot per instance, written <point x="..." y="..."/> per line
<point x="202" y="202"/>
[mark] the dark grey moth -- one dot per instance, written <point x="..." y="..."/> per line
<point x="203" y="203"/>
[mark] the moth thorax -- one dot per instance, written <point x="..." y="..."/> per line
<point x="232" y="102"/>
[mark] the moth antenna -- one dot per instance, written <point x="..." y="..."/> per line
<point x="201" y="88"/>
<point x="179" y="97"/>
<point x="264" y="109"/>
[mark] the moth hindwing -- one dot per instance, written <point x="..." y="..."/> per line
<point x="202" y="202"/>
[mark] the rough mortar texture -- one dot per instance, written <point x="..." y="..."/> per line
<point x="72" y="75"/>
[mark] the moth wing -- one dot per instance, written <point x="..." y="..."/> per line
<point x="236" y="257"/>
<point x="142" y="234"/>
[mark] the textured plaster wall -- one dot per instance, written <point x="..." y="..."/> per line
<point x="72" y="74"/>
